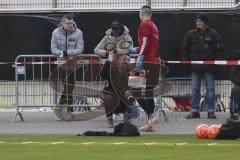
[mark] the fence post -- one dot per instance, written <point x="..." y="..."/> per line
<point x="54" y="4"/>
<point x="148" y="2"/>
<point x="55" y="95"/>
<point x="184" y="3"/>
<point x="17" y="113"/>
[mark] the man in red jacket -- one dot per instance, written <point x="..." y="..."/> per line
<point x="149" y="59"/>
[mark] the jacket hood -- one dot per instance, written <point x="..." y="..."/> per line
<point x="109" y="31"/>
<point x="60" y="26"/>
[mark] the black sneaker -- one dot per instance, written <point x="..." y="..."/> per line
<point x="63" y="100"/>
<point x="211" y="115"/>
<point x="69" y="100"/>
<point x="66" y="100"/>
<point x="193" y="115"/>
<point x="110" y="122"/>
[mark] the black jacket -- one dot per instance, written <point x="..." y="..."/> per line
<point x="200" y="46"/>
<point x="234" y="75"/>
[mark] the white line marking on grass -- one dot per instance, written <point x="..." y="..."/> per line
<point x="149" y="144"/>
<point x="180" y="144"/>
<point x="119" y="143"/>
<point x="30" y="142"/>
<point x="212" y="144"/>
<point x="57" y="143"/>
<point x="88" y="143"/>
<point x="165" y="144"/>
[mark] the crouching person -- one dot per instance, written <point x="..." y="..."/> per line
<point x="113" y="95"/>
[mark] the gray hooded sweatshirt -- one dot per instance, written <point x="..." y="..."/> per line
<point x="71" y="41"/>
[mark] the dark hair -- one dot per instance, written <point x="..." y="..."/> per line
<point x="146" y="7"/>
<point x="146" y="10"/>
<point x="203" y="17"/>
<point x="68" y="16"/>
<point x="116" y="25"/>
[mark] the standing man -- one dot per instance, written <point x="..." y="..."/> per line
<point x="149" y="59"/>
<point x="67" y="43"/>
<point x="200" y="44"/>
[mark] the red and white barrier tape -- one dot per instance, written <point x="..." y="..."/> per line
<point x="218" y="62"/>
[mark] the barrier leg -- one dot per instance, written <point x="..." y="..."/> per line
<point x="158" y="110"/>
<point x="17" y="96"/>
<point x="15" y="117"/>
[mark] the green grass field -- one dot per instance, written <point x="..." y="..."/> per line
<point x="146" y="147"/>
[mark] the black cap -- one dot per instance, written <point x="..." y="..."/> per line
<point x="116" y="25"/>
<point x="203" y="17"/>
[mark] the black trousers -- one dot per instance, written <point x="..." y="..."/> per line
<point x="120" y="108"/>
<point x="152" y="78"/>
<point x="68" y="84"/>
<point x="235" y="99"/>
<point x="147" y="103"/>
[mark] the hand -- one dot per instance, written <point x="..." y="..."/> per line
<point x="61" y="55"/>
<point x="133" y="50"/>
<point x="139" y="61"/>
<point x="108" y="52"/>
<point x="114" y="51"/>
<point x="122" y="51"/>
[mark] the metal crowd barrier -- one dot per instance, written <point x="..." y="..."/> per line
<point x="39" y="82"/>
<point x="7" y="93"/>
<point x="179" y="98"/>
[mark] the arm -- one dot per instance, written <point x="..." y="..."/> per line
<point x="186" y="47"/>
<point x="146" y="33"/>
<point x="143" y="45"/>
<point x="125" y="49"/>
<point x="79" y="46"/>
<point x="100" y="50"/>
<point x="141" y="54"/>
<point x="217" y="42"/>
<point x="54" y="46"/>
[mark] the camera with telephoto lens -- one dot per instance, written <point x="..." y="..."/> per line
<point x="130" y="97"/>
